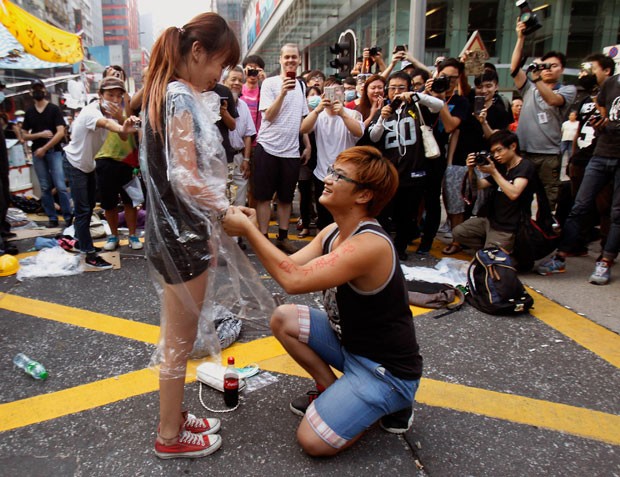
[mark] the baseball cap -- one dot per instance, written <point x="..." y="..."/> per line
<point x="37" y="82"/>
<point x="111" y="82"/>
<point x="405" y="64"/>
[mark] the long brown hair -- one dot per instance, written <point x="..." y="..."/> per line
<point x="364" y="107"/>
<point x="172" y="47"/>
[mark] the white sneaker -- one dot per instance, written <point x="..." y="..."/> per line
<point x="134" y="243"/>
<point x="601" y="273"/>
<point x="111" y="244"/>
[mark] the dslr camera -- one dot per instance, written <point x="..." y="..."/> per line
<point x="528" y="17"/>
<point x="252" y="72"/>
<point x="440" y="84"/>
<point x="374" y="50"/>
<point x="482" y="158"/>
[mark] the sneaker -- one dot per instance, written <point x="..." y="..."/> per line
<point x="551" y="265"/>
<point x="97" y="263"/>
<point x="300" y="405"/>
<point x="189" y="445"/>
<point x="286" y="246"/>
<point x="398" y="422"/>
<point x="601" y="273"/>
<point x="202" y="426"/>
<point x="111" y="244"/>
<point x="134" y="243"/>
<point x="52" y="224"/>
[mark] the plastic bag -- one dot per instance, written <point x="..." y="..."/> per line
<point x="134" y="191"/>
<point x="50" y="262"/>
<point x="447" y="270"/>
<point x="194" y="264"/>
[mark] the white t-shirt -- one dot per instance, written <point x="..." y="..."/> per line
<point x="245" y="126"/>
<point x="569" y="130"/>
<point x="281" y="137"/>
<point x="86" y="139"/>
<point x="332" y="137"/>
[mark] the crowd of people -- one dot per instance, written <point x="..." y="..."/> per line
<point x="222" y="152"/>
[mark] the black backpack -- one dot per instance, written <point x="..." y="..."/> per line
<point x="493" y="284"/>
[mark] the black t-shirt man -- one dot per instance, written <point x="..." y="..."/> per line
<point x="608" y="144"/>
<point x="231" y="106"/>
<point x="47" y="120"/>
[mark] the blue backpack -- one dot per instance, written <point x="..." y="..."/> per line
<point x="493" y="284"/>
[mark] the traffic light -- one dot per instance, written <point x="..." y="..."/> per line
<point x="345" y="53"/>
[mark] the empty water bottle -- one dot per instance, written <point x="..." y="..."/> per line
<point x="33" y="368"/>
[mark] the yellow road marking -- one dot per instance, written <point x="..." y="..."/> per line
<point x="270" y="355"/>
<point x="82" y="318"/>
<point x="594" y="337"/>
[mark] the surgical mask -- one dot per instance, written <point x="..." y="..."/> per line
<point x="38" y="95"/>
<point x="313" y="101"/>
<point x="105" y="105"/>
<point x="350" y="95"/>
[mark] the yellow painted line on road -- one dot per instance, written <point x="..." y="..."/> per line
<point x="573" y="420"/>
<point x="594" y="337"/>
<point x="85" y="319"/>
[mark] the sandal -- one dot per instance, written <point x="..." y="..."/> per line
<point x="303" y="233"/>
<point x="452" y="249"/>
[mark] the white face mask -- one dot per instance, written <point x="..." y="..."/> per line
<point x="105" y="105"/>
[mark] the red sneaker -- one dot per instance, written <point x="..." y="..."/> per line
<point x="198" y="425"/>
<point x="188" y="445"/>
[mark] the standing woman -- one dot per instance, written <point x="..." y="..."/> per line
<point x="185" y="172"/>
<point x="372" y="98"/>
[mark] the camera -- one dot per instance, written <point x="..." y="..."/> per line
<point x="398" y="48"/>
<point x="538" y="67"/>
<point x="482" y="158"/>
<point x="528" y="17"/>
<point x="252" y="72"/>
<point x="137" y="124"/>
<point x="440" y="84"/>
<point x="375" y="50"/>
<point x="397" y="103"/>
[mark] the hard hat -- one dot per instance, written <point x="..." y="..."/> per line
<point x="8" y="265"/>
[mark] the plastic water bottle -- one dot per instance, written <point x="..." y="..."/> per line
<point x="231" y="384"/>
<point x="34" y="369"/>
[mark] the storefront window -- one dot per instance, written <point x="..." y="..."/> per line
<point x="581" y="36"/>
<point x="436" y="23"/>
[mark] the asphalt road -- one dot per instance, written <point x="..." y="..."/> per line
<point x="522" y="396"/>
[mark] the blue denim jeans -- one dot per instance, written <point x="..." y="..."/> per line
<point x="83" y="188"/>
<point x="600" y="171"/>
<point x="49" y="170"/>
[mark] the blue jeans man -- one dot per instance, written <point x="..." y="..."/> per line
<point x="49" y="170"/>
<point x="599" y="172"/>
<point x="83" y="189"/>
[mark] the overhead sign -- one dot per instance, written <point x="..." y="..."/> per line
<point x="39" y="38"/>
<point x="475" y="55"/>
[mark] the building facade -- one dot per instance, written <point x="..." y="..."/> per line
<point x="121" y="26"/>
<point x="431" y="27"/>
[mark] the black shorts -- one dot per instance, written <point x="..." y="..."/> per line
<point x="111" y="177"/>
<point x="274" y="174"/>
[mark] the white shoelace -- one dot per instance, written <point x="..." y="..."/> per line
<point x="194" y="421"/>
<point x="187" y="437"/>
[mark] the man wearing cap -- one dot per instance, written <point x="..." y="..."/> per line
<point x="89" y="132"/>
<point x="44" y="125"/>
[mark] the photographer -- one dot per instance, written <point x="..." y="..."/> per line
<point x="511" y="193"/>
<point x="545" y="104"/>
<point x="395" y="131"/>
<point x="446" y="127"/>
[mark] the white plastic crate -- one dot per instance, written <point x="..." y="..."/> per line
<point x="19" y="178"/>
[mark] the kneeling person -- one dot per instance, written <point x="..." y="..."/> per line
<point x="367" y="329"/>
<point x="512" y="191"/>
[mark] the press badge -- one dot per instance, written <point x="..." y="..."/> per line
<point x="542" y="118"/>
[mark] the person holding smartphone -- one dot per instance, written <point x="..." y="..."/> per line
<point x="277" y="157"/>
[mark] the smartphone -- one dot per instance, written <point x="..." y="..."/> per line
<point x="291" y="74"/>
<point x="330" y="93"/>
<point x="398" y="48"/>
<point x="478" y="104"/>
<point x="222" y="99"/>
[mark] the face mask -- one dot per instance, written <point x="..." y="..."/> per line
<point x="313" y="101"/>
<point x="350" y="95"/>
<point x="587" y="82"/>
<point x="105" y="105"/>
<point x="2" y="97"/>
<point x="38" y="95"/>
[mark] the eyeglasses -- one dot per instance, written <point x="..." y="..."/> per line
<point x="397" y="88"/>
<point x="339" y="175"/>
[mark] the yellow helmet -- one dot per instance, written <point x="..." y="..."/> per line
<point x="8" y="265"/>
